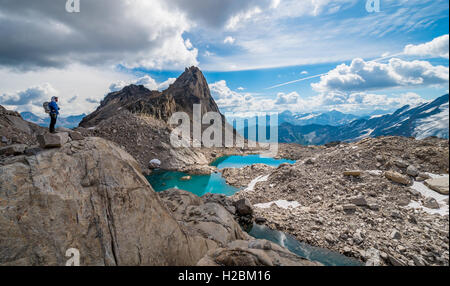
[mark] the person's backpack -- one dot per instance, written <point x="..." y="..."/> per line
<point x="46" y="107"/>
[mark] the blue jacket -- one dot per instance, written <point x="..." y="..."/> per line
<point x="54" y="109"/>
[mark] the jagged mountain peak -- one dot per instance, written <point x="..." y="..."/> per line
<point x="190" y="88"/>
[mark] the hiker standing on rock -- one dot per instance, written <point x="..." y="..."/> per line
<point x="54" y="112"/>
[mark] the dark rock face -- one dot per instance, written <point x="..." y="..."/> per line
<point x="244" y="207"/>
<point x="190" y="88"/>
<point x="13" y="129"/>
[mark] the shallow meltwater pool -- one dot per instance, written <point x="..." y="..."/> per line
<point x="202" y="184"/>
<point x="198" y="184"/>
<point x="242" y="161"/>
<point x="324" y="256"/>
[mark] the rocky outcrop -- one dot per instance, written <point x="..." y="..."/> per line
<point x="15" y="130"/>
<point x="253" y="253"/>
<point x="89" y="195"/>
<point x="207" y="219"/>
<point x="243" y="176"/>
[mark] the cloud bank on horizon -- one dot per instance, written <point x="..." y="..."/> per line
<point x="46" y="51"/>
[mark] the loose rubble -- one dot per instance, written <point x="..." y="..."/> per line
<point x="374" y="212"/>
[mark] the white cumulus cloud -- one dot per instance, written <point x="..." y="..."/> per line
<point x="362" y="76"/>
<point x="146" y="81"/>
<point x="438" y="47"/>
<point x="229" y="40"/>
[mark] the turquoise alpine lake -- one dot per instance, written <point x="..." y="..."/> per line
<point x="214" y="183"/>
<point x="202" y="184"/>
<point x="242" y="161"/>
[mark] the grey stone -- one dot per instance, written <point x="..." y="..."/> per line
<point x="412" y="171"/>
<point x="243" y="207"/>
<point x="76" y="136"/>
<point x="400" y="163"/>
<point x="394" y="261"/>
<point x="64" y="137"/>
<point x="431" y="203"/>
<point x="15" y="149"/>
<point x="359" y="201"/>
<point x="374" y="207"/>
<point x="439" y="185"/>
<point x="349" y="208"/>
<point x="260" y="220"/>
<point x="404" y="201"/>
<point x="395" y="234"/>
<point x="48" y="140"/>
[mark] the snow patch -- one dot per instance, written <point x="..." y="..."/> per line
<point x="415" y="205"/>
<point x="435" y="125"/>
<point x="429" y="193"/>
<point x="251" y="186"/>
<point x="280" y="203"/>
<point x="365" y="133"/>
<point x="311" y="116"/>
<point x="376" y="116"/>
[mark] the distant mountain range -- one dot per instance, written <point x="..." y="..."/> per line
<point x="67" y="122"/>
<point x="428" y="119"/>
<point x="332" y="118"/>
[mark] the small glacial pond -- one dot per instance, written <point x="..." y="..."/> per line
<point x="242" y="161"/>
<point x="202" y="184"/>
<point x="324" y="256"/>
<point x="199" y="184"/>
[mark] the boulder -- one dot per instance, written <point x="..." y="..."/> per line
<point x="400" y="163"/>
<point x="353" y="173"/>
<point x="222" y="200"/>
<point x="439" y="185"/>
<point x="243" y="207"/>
<point x="207" y="220"/>
<point x="15" y="149"/>
<point x="260" y="220"/>
<point x="349" y="208"/>
<point x="431" y="203"/>
<point x="154" y="164"/>
<point x="186" y="178"/>
<point x="75" y="135"/>
<point x="394" y="261"/>
<point x="49" y="140"/>
<point x="4" y="140"/>
<point x="374" y="207"/>
<point x="359" y="201"/>
<point x="253" y="253"/>
<point x="397" y="178"/>
<point x="412" y="171"/>
<point x="395" y="234"/>
<point x="63" y="136"/>
<point x="95" y="200"/>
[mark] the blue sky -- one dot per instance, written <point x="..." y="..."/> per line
<point x="243" y="47"/>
